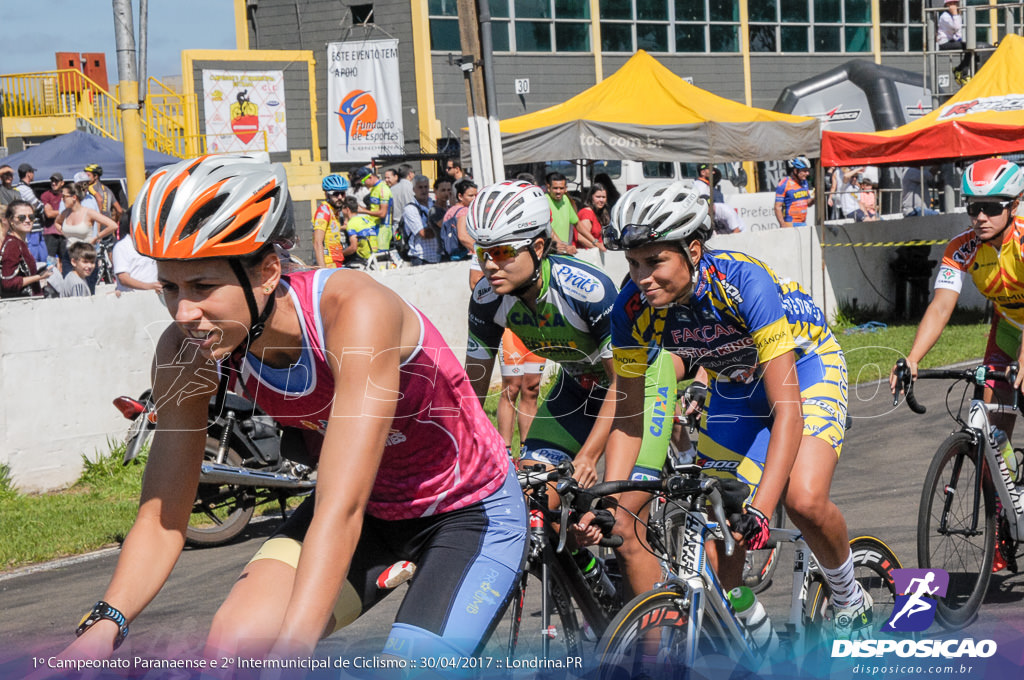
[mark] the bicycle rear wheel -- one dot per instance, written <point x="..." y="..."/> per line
<point x="956" y="527"/>
<point x="648" y="639"/>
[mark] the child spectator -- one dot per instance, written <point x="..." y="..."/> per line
<point x="83" y="262"/>
<point x="867" y="202"/>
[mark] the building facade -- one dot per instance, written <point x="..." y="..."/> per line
<point x="746" y="50"/>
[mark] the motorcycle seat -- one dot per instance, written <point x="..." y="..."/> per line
<point x="242" y="407"/>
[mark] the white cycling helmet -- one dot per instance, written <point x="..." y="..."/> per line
<point x="657" y="212"/>
<point x="993" y="177"/>
<point x="509" y="211"/>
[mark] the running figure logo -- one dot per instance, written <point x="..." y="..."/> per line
<point x="914" y="610"/>
<point x="357" y="114"/>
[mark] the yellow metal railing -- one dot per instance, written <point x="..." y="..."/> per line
<point x="64" y="93"/>
<point x="70" y="93"/>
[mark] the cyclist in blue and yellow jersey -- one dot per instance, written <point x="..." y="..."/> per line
<point x="793" y="195"/>
<point x="730" y="314"/>
<point x="332" y="242"/>
<point x="560" y="308"/>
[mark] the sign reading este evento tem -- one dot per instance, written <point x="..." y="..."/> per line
<point x="364" y="101"/>
<point x="243" y="106"/>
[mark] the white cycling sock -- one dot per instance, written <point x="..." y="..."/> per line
<point x="845" y="592"/>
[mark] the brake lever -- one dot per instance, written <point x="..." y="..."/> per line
<point x="715" y="496"/>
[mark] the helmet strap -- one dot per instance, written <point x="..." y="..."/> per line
<point x="521" y="290"/>
<point x="259" y="319"/>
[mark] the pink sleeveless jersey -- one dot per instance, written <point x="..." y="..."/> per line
<point x="442" y="453"/>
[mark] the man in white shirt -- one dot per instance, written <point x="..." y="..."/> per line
<point x="133" y="271"/>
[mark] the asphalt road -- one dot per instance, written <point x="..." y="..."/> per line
<point x="877" y="487"/>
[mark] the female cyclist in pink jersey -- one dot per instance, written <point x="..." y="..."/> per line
<point x="409" y="467"/>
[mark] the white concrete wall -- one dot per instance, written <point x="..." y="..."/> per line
<point x="62" y="362"/>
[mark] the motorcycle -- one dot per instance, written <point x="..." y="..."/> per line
<point x="242" y="465"/>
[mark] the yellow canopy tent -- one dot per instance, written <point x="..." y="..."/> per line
<point x="645" y="112"/>
<point x="984" y="118"/>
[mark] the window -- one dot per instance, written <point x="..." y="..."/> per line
<point x="697" y="26"/>
<point x="518" y="25"/>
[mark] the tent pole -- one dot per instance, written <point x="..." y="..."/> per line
<point x="819" y="218"/>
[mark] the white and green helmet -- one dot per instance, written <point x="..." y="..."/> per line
<point x="993" y="177"/>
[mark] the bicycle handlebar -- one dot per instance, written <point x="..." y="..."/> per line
<point x="978" y="375"/>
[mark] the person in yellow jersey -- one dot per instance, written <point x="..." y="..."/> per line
<point x="332" y="242"/>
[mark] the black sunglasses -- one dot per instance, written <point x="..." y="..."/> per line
<point x="335" y="194"/>
<point x="975" y="208"/>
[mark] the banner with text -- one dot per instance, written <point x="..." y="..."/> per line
<point x="364" y="101"/>
<point x="244" y="111"/>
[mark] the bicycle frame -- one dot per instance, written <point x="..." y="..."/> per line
<point x="1012" y="497"/>
<point x="696" y="579"/>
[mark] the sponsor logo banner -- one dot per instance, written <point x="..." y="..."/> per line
<point x="364" y="101"/>
<point x="242" y="108"/>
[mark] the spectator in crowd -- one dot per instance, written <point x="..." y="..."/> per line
<point x="332" y="243"/>
<point x="594" y="215"/>
<point x="105" y="198"/>
<point x="363" y="228"/>
<point x="36" y="242"/>
<point x="707" y="177"/>
<point x="453" y="166"/>
<point x="950" y="36"/>
<point x="913" y="187"/>
<point x="726" y="220"/>
<point x="867" y="201"/>
<point x="455" y="218"/>
<point x="604" y="180"/>
<point x="849" y="191"/>
<point x="132" y="270"/>
<point x="424" y="242"/>
<point x="402" y="191"/>
<point x="52" y="199"/>
<point x="8" y="194"/>
<point x="451" y="249"/>
<point x="19" y="274"/>
<point x="793" y="194"/>
<point x="83" y="262"/>
<point x="78" y="223"/>
<point x="391" y="178"/>
<point x="378" y="202"/>
<point x="82" y="180"/>
<point x="563" y="214"/>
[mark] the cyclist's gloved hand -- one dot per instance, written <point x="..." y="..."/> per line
<point x="753" y="526"/>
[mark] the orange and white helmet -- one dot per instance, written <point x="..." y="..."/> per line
<point x="212" y="206"/>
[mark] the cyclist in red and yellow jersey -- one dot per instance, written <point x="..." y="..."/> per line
<point x="332" y="242"/>
<point x="793" y="195"/>
<point x="992" y="253"/>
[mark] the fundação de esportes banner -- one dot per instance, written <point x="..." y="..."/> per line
<point x="364" y="101"/>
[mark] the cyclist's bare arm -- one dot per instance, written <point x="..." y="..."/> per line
<point x="318" y="246"/>
<point x="783" y="392"/>
<point x="940" y="309"/>
<point x="181" y="390"/>
<point x="479" y="372"/>
<point x="366" y="390"/>
<point x="585" y="461"/>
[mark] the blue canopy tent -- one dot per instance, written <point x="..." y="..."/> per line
<point x="71" y="152"/>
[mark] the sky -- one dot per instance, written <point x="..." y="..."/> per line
<point x="34" y="30"/>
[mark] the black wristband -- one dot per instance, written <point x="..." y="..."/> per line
<point x="101" y="610"/>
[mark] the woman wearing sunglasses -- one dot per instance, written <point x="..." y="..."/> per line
<point x="753" y="333"/>
<point x="18" y="269"/>
<point x="991" y="253"/>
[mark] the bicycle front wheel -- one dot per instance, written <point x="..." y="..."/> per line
<point x="523" y="633"/>
<point x="956" y="527"/>
<point x="648" y="639"/>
